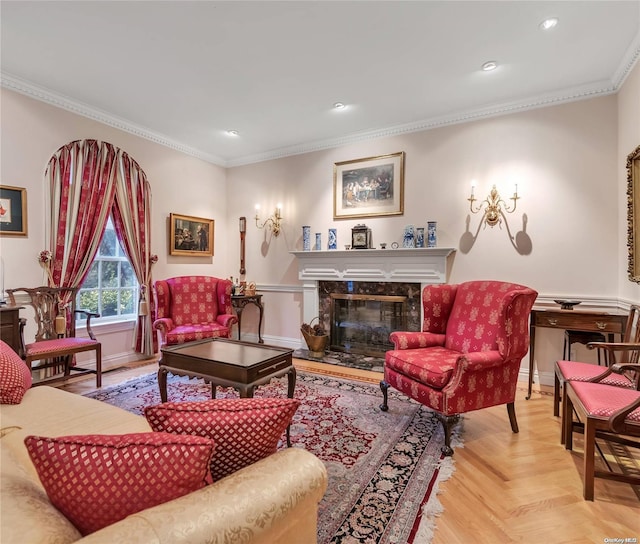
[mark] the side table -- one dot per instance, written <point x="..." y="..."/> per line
<point x="10" y="327"/>
<point x="576" y="320"/>
<point x="239" y="302"/>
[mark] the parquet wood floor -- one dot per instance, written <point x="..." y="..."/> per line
<point x="506" y="487"/>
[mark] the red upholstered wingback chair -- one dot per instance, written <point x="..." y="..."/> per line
<point x="468" y="355"/>
<point x="193" y="308"/>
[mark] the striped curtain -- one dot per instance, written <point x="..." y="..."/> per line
<point x="88" y="180"/>
<point x="81" y="178"/>
<point x="132" y="221"/>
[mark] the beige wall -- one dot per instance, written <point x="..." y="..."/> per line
<point x="567" y="238"/>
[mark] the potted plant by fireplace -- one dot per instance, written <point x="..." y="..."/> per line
<point x="316" y="338"/>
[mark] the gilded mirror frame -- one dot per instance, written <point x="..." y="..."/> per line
<point x="633" y="214"/>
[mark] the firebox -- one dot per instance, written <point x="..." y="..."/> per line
<point x="361" y="323"/>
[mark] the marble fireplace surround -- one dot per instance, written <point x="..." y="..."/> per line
<point x="424" y="266"/>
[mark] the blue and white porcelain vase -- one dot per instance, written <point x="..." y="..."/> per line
<point x="318" y="241"/>
<point x="408" y="240"/>
<point x="306" y="238"/>
<point x="431" y="233"/>
<point x="333" y="239"/>
<point x="420" y="237"/>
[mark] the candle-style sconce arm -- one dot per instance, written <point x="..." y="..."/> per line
<point x="272" y="222"/>
<point x="494" y="206"/>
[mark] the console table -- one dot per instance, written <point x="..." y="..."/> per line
<point x="239" y="302"/>
<point x="575" y="320"/>
<point x="10" y="326"/>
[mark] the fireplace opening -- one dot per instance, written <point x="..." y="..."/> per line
<point x="361" y="323"/>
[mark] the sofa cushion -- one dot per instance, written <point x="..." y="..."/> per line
<point x="96" y="480"/>
<point x="26" y="513"/>
<point x="15" y="376"/>
<point x="244" y="430"/>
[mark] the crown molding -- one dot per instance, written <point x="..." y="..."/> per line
<point x="601" y="88"/>
<point x="628" y="62"/>
<point x="428" y="124"/>
<point x="42" y="94"/>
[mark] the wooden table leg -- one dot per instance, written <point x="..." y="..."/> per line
<point x="162" y="383"/>
<point x="291" y="386"/>
<point x="532" y="345"/>
<point x="260" y="312"/>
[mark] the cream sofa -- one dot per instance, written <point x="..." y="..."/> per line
<point x="272" y="501"/>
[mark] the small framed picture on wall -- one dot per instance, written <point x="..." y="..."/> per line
<point x="191" y="236"/>
<point x="13" y="211"/>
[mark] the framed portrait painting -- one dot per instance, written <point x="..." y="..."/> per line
<point x="369" y="187"/>
<point x="13" y="211"/>
<point x="191" y="236"/>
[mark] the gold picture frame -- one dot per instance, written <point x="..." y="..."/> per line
<point x="633" y="214"/>
<point x="369" y="187"/>
<point x="13" y="211"/>
<point x="191" y="236"/>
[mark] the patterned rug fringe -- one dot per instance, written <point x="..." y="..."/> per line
<point x="433" y="508"/>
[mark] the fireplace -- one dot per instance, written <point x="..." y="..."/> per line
<point x="362" y="323"/>
<point x="360" y="315"/>
<point x="366" y="285"/>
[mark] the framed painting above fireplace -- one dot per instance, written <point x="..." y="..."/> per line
<point x="369" y="187"/>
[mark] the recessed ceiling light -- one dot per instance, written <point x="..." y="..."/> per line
<point x="232" y="132"/>
<point x="339" y="106"/>
<point x="490" y="65"/>
<point x="549" y="23"/>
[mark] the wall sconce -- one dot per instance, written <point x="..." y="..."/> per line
<point x="273" y="222"/>
<point x="494" y="206"/>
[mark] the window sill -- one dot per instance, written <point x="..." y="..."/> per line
<point x="107" y="327"/>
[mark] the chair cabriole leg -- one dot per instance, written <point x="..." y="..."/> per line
<point x="447" y="423"/>
<point x="511" y="410"/>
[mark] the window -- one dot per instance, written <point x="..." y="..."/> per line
<point x="111" y="287"/>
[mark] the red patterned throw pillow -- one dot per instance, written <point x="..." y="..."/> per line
<point x="244" y="430"/>
<point x="15" y="376"/>
<point x="96" y="480"/>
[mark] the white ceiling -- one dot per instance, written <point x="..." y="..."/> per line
<point x="183" y="73"/>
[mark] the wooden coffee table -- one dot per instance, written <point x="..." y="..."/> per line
<point x="228" y="363"/>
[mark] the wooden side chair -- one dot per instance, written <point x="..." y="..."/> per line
<point x="615" y="352"/>
<point x="603" y="412"/>
<point x="56" y="342"/>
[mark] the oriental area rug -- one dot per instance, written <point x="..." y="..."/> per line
<point x="384" y="467"/>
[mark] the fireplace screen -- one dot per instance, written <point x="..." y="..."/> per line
<point x="362" y="323"/>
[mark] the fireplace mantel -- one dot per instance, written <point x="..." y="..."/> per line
<point x="425" y="266"/>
